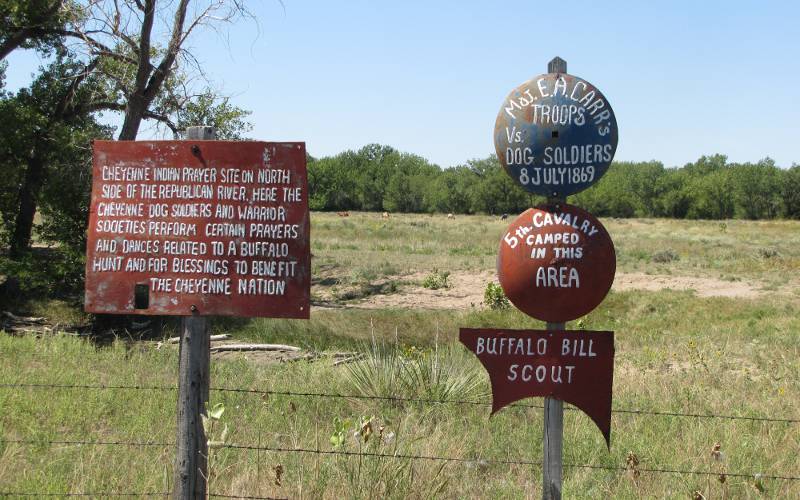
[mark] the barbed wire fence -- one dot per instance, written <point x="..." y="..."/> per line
<point x="344" y="453"/>
<point x="398" y="399"/>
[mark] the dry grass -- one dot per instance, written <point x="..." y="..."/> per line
<point x="674" y="352"/>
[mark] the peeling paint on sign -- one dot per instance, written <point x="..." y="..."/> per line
<point x="556" y="262"/>
<point x="573" y="366"/>
<point x="212" y="227"/>
<point x="555" y="135"/>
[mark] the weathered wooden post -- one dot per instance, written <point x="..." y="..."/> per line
<point x="555" y="135"/>
<point x="194" y="360"/>
<point x="194" y="373"/>
<point x="553" y="439"/>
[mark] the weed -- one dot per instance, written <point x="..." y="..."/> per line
<point x="436" y="279"/>
<point x="211" y="421"/>
<point x="664" y="256"/>
<point x="494" y="297"/>
<point x="768" y="253"/>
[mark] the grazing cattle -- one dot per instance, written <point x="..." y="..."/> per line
<point x="385" y="215"/>
<point x="451" y="216"/>
<point x="504" y="217"/>
<point x="343" y="214"/>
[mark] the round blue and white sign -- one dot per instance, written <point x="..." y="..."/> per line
<point x="555" y="135"/>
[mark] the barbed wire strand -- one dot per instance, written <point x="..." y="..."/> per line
<point x="401" y="399"/>
<point x="105" y="494"/>
<point x="501" y="461"/>
<point x="96" y="494"/>
<point x="476" y="461"/>
<point x="246" y="497"/>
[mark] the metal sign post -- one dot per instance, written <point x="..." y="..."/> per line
<point x="555" y="135"/>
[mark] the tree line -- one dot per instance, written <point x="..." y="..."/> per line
<point x="380" y="178"/>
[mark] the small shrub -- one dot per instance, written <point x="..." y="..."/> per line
<point x="664" y="256"/>
<point x="768" y="253"/>
<point x="494" y="297"/>
<point x="436" y="280"/>
<point x="363" y="275"/>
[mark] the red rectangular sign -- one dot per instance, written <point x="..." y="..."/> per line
<point x="210" y="227"/>
<point x="573" y="366"/>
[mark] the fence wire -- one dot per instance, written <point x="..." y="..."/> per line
<point x="406" y="456"/>
<point x="109" y="494"/>
<point x="345" y="453"/>
<point x="93" y="494"/>
<point x="630" y="411"/>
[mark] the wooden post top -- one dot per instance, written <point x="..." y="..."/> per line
<point x="557" y="65"/>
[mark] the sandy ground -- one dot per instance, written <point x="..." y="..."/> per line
<point x="466" y="290"/>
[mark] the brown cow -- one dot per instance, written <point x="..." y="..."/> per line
<point x="343" y="214"/>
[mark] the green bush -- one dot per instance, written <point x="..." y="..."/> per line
<point x="436" y="280"/>
<point x="494" y="297"/>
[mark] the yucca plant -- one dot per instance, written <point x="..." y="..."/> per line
<point x="442" y="375"/>
<point x="388" y="371"/>
<point x="379" y="372"/>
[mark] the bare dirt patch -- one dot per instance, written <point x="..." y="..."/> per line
<point x="703" y="287"/>
<point x="466" y="290"/>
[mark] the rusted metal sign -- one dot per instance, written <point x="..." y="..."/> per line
<point x="555" y="135"/>
<point x="556" y="262"/>
<point x="573" y="366"/>
<point x="210" y="227"/>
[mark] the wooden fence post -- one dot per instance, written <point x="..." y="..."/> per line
<point x="552" y="465"/>
<point x="194" y="361"/>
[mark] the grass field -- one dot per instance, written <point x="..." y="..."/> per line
<point x="675" y="352"/>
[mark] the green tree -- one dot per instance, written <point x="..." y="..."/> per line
<point x="494" y="191"/>
<point x="211" y="109"/>
<point x="119" y="61"/>
<point x="757" y="190"/>
<point x="34" y="24"/>
<point x="41" y="114"/>
<point x="613" y="195"/>
<point x="711" y="195"/>
<point x="790" y="191"/>
<point x="451" y="191"/>
<point x="673" y="198"/>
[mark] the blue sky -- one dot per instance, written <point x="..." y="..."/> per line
<point x="684" y="78"/>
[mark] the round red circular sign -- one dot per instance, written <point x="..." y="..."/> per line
<point x="556" y="262"/>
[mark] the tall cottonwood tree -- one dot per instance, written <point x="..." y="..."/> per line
<point x="133" y="52"/>
<point x="146" y="41"/>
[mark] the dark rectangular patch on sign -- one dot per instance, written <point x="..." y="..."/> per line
<point x="573" y="366"/>
<point x="216" y="227"/>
